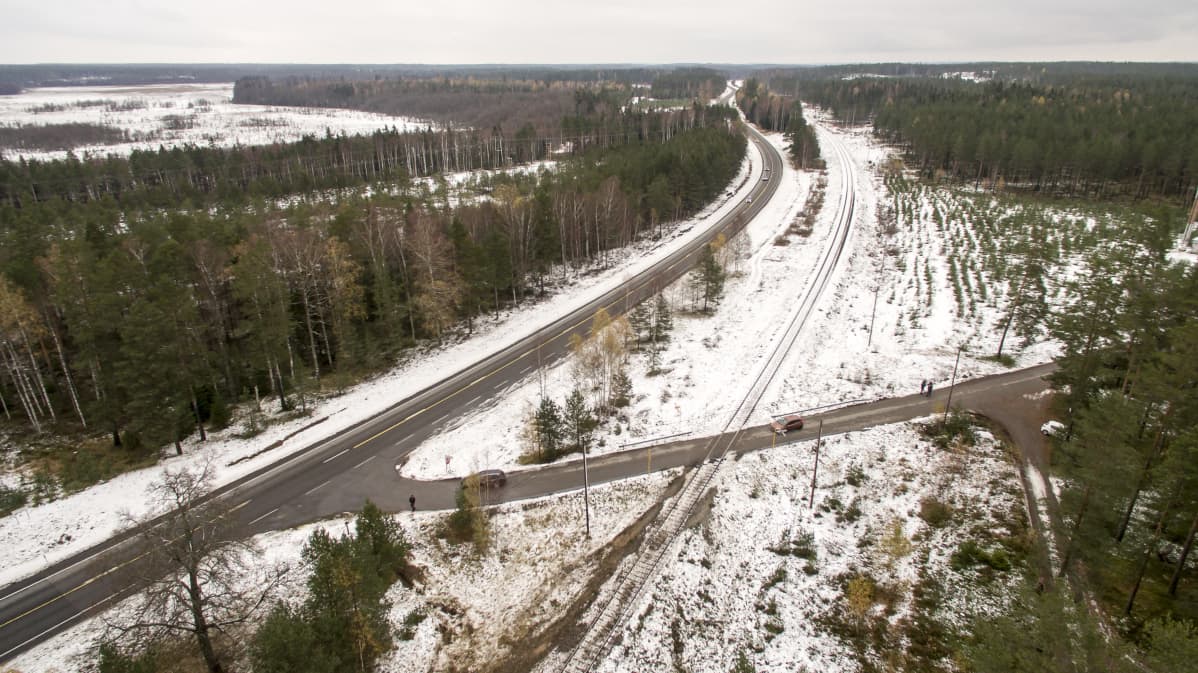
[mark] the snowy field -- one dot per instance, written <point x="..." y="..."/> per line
<point x="769" y="577"/>
<point x="170" y="115"/>
<point x="709" y="361"/>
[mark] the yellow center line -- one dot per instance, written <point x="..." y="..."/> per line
<point x="68" y="592"/>
<point x="111" y="570"/>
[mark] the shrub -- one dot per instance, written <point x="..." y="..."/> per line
<point x="946" y="432"/>
<point x="777" y="578"/>
<point x="855" y="476"/>
<point x="934" y="512"/>
<point x="11" y="500"/>
<point x="413" y="620"/>
<point x="970" y="554"/>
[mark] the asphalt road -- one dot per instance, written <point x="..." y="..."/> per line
<point x="990" y="395"/>
<point x="337" y="475"/>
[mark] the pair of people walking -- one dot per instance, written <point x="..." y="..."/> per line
<point x="925" y="388"/>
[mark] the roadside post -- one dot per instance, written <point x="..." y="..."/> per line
<point x="815" y="471"/>
<point x="948" y="405"/>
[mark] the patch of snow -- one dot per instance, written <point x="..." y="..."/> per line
<point x="171" y="115"/>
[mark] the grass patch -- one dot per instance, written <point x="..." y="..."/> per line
<point x="1004" y="359"/>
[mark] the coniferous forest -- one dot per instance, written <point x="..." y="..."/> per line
<point x="143" y="296"/>
<point x="1109" y="133"/>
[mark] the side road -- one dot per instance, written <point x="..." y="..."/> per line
<point x="1005" y="398"/>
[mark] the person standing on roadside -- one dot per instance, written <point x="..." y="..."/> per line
<point x="412" y="501"/>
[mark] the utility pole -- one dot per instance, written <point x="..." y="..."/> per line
<point x="815" y="471"/>
<point x="586" y="494"/>
<point x="874" y="312"/>
<point x="948" y="405"/>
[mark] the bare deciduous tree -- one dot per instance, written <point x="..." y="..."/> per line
<point x="198" y="576"/>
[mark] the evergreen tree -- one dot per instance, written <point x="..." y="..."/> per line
<point x="580" y="423"/>
<point x="708" y="279"/>
<point x="663" y="321"/>
<point x="621" y="389"/>
<point x="641" y="321"/>
<point x="549" y="429"/>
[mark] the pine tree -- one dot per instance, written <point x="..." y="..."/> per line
<point x="621" y="389"/>
<point x="549" y="429"/>
<point x="663" y="321"/>
<point x="580" y="423"/>
<point x="708" y="280"/>
<point x="641" y="320"/>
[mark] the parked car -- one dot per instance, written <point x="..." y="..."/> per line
<point x="1052" y="428"/>
<point x="786" y="424"/>
<point x="488" y="478"/>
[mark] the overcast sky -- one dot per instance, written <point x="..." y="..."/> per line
<point x="591" y="31"/>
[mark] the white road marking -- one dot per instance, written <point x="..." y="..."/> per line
<point x="264" y="516"/>
<point x="364" y="462"/>
<point x="335" y="456"/>
<point x="316" y="488"/>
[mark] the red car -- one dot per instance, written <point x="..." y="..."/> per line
<point x="786" y="424"/>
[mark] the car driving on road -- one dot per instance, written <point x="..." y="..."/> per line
<point x="786" y="424"/>
<point x="488" y="478"/>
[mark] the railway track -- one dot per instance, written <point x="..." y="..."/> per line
<point x="630" y="586"/>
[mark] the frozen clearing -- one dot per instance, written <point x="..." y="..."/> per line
<point x="170" y="115"/>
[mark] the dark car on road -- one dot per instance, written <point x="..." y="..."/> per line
<point x="488" y="478"/>
<point x="786" y="424"/>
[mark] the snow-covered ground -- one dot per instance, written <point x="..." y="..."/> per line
<point x="176" y="114"/>
<point x="730" y="587"/>
<point x="710" y="360"/>
<point x="726" y="589"/>
<point x="538" y="562"/>
<point x="918" y="328"/>
<point x="36" y="536"/>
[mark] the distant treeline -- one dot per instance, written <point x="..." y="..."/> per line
<point x="701" y="84"/>
<point x="210" y="175"/>
<point x="1103" y="134"/>
<point x="775" y="112"/>
<point x="147" y="322"/>
<point x="51" y="137"/>
<point x="1060" y="72"/>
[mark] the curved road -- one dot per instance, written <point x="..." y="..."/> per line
<point x="336" y="475"/>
